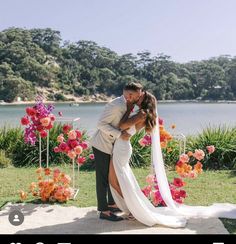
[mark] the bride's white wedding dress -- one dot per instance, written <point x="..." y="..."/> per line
<point x="135" y="202"/>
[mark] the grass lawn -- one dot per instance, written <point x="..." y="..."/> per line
<point x="210" y="187"/>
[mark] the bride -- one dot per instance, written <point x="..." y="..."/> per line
<point x="124" y="186"/>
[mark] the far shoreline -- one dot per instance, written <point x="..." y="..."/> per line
<point x="77" y="103"/>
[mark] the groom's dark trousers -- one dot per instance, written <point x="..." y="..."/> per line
<point x="102" y="163"/>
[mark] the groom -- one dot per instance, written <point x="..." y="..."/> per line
<point x="102" y="144"/>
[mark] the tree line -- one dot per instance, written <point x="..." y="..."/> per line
<point x="38" y="58"/>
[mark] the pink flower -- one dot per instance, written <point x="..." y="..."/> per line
<point x="49" y="127"/>
<point x="210" y="149"/>
<point x="78" y="150"/>
<point x="156" y="198"/>
<point x="148" y="139"/>
<point x="150" y="179"/>
<point x="66" y="179"/>
<point x="60" y="138"/>
<point x="30" y="111"/>
<point x="84" y="145"/>
<point x="45" y="121"/>
<point x="81" y="160"/>
<point x="56" y="173"/>
<point x="25" y="120"/>
<point x="184" y="158"/>
<point x="63" y="146"/>
<point x="43" y="133"/>
<point x="178" y="182"/>
<point x="56" y="149"/>
<point x="143" y="142"/>
<point x="39" y="128"/>
<point x="146" y="190"/>
<point x="183" y="193"/>
<point x="79" y="134"/>
<point x="192" y="174"/>
<point x="66" y="128"/>
<point x="161" y="121"/>
<point x="71" y="154"/>
<point x="199" y="154"/>
<point x="60" y="114"/>
<point x="52" y="117"/>
<point x="73" y="143"/>
<point x="91" y="156"/>
<point x="72" y="135"/>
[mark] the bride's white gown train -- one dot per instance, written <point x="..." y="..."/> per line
<point x="135" y="202"/>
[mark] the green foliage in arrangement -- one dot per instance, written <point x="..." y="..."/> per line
<point x="36" y="60"/>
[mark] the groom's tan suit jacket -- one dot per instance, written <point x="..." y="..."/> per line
<point x="107" y="128"/>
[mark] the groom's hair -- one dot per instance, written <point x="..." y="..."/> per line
<point x="133" y="86"/>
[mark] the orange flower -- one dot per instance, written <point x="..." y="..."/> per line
<point x="190" y="154"/>
<point x="33" y="185"/>
<point x="173" y="126"/>
<point x="40" y="178"/>
<point x="47" y="171"/>
<point x="163" y="144"/>
<point x="39" y="170"/>
<point x="198" y="167"/>
<point x="23" y="195"/>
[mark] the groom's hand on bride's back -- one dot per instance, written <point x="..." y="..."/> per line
<point x="125" y="135"/>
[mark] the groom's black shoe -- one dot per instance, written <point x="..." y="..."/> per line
<point x="111" y="217"/>
<point x="114" y="210"/>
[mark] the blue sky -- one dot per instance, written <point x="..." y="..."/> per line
<point x="184" y="29"/>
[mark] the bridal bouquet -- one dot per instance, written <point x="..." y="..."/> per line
<point x="72" y="143"/>
<point x="38" y="120"/>
<point x="52" y="186"/>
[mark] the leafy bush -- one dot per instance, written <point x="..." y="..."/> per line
<point x="22" y="154"/>
<point x="224" y="140"/>
<point x="4" y="160"/>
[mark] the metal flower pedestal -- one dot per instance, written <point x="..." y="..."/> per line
<point x="71" y="121"/>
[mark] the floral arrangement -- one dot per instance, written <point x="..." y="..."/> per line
<point x="52" y="186"/>
<point x="38" y="120"/>
<point x="152" y="192"/>
<point x="71" y="143"/>
<point x="183" y="168"/>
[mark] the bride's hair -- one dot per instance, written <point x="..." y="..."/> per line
<point x="149" y="104"/>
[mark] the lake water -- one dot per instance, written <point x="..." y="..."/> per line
<point x="189" y="118"/>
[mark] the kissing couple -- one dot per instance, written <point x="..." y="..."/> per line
<point x="116" y="186"/>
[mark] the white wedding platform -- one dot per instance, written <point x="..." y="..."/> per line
<point x="56" y="219"/>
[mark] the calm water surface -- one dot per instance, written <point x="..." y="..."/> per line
<point x="189" y="118"/>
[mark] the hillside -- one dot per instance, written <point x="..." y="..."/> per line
<point x="38" y="61"/>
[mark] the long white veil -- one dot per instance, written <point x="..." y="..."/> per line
<point x="223" y="210"/>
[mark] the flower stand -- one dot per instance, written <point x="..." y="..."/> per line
<point x="71" y="121"/>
